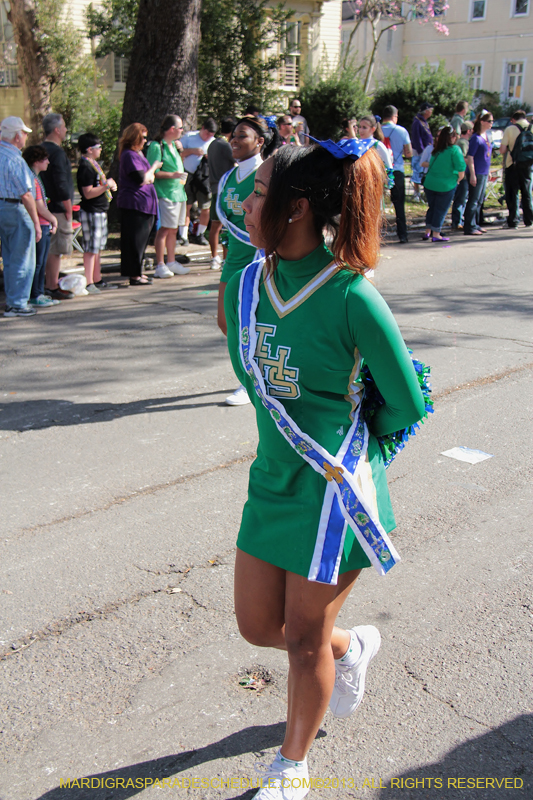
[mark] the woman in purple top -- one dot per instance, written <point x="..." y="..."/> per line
<point x="478" y="163"/>
<point x="137" y="200"/>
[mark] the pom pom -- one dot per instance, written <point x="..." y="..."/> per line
<point x="392" y="443"/>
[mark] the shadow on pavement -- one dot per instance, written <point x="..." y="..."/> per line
<point x="250" y="740"/>
<point x="38" y="414"/>
<point x="503" y="756"/>
<point x="507" y="300"/>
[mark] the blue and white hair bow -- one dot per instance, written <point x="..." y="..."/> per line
<point x="347" y="148"/>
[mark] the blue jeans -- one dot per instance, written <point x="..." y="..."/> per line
<point x="41" y="254"/>
<point x="438" y="205"/>
<point x="476" y="195"/>
<point x="18" y="253"/>
<point x="416" y="168"/>
<point x="459" y="202"/>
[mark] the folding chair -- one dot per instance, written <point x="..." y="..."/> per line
<point x="494" y="188"/>
<point x="76" y="228"/>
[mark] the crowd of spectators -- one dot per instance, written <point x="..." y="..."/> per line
<point x="160" y="182"/>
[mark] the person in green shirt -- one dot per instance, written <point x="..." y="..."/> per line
<point x="315" y="319"/>
<point x="446" y="169"/>
<point x="170" y="187"/>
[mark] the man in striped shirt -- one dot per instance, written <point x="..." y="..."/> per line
<point x="19" y="222"/>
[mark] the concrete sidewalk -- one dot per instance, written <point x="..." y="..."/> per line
<point x="123" y="479"/>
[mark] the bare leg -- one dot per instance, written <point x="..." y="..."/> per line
<point x="221" y="316"/>
<point x="214" y="232"/>
<point x="97" y="274"/>
<point x="171" y="243"/>
<point x="53" y="265"/>
<point x="275" y="608"/>
<point x="160" y="242"/>
<point x="88" y="266"/>
<point x="312" y="644"/>
<point x="204" y="217"/>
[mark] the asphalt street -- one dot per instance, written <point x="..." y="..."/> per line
<point x="123" y="476"/>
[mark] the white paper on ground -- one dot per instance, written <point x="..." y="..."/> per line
<point x="467" y="454"/>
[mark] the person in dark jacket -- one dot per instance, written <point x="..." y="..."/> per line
<point x="59" y="187"/>
<point x="518" y="177"/>
<point x="421" y="136"/>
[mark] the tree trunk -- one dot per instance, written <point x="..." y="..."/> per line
<point x="375" y="38"/>
<point x="32" y="64"/>
<point x="163" y="73"/>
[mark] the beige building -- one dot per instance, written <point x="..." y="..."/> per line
<point x="314" y="37"/>
<point x="490" y="42"/>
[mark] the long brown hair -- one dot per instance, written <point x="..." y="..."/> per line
<point x="344" y="196"/>
<point x="444" y="139"/>
<point x="132" y="136"/>
<point x="483" y="117"/>
<point x="374" y="123"/>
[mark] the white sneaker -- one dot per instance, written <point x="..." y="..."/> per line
<point x="162" y="271"/>
<point x="282" y="782"/>
<point x="238" y="398"/>
<point x="350" y="680"/>
<point x="178" y="269"/>
<point x="216" y="262"/>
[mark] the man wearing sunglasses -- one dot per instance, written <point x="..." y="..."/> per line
<point x="299" y="123"/>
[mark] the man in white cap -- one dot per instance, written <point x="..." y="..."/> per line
<point x="19" y="223"/>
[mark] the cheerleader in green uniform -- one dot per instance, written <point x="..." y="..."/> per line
<point x="247" y="141"/>
<point x="313" y="320"/>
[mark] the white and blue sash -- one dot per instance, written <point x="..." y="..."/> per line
<point x="238" y="233"/>
<point x="344" y="503"/>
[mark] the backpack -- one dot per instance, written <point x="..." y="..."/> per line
<point x="522" y="152"/>
<point x="386" y="142"/>
<point x="147" y="145"/>
<point x="200" y="179"/>
<point x="388" y="145"/>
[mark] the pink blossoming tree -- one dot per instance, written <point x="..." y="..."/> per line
<point x="384" y="15"/>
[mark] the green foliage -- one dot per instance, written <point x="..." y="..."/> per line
<point x="114" y="25"/>
<point x="71" y="74"/>
<point x="510" y="106"/>
<point x="329" y="97"/>
<point x="233" y="69"/>
<point x="106" y="125"/>
<point x="407" y="87"/>
<point x="491" y="101"/>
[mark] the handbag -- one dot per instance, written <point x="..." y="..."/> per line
<point x="424" y="176"/>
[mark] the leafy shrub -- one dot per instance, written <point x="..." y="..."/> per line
<point x="407" y="87"/>
<point x="491" y="101"/>
<point x="106" y="125"/>
<point x="327" y="99"/>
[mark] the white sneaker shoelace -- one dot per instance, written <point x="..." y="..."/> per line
<point x="278" y="783"/>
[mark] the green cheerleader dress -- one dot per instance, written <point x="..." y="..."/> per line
<point x="313" y="333"/>
<point x="235" y="191"/>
